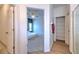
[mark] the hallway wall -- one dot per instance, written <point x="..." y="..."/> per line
<point x="62" y="11"/>
<point x="59" y="11"/>
<point x="51" y="22"/>
<point x="20" y="29"/>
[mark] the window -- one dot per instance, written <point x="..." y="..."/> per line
<point x="30" y="25"/>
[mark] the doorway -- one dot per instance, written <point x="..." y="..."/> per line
<point x="60" y="28"/>
<point x="35" y="29"/>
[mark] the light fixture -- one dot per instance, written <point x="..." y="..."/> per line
<point x="33" y="15"/>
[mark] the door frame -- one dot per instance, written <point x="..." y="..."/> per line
<point x="43" y="23"/>
<point x="73" y="28"/>
<point x="13" y="28"/>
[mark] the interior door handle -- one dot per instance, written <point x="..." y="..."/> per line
<point x="6" y="32"/>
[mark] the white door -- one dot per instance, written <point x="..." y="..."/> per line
<point x="60" y="28"/>
<point x="7" y="27"/>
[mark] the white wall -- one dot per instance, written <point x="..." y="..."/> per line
<point x="59" y="11"/>
<point x="51" y="22"/>
<point x="20" y="29"/>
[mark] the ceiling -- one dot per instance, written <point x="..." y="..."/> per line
<point x="36" y="12"/>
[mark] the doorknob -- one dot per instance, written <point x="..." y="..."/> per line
<point x="6" y="32"/>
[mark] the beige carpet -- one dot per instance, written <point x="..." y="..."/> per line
<point x="59" y="47"/>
